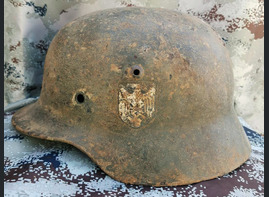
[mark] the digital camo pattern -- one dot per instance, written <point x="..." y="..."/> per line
<point x="30" y="25"/>
<point x="34" y="167"/>
<point x="136" y="104"/>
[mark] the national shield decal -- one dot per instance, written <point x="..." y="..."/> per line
<point x="136" y="104"/>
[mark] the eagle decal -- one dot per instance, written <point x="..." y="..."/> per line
<point x="136" y="104"/>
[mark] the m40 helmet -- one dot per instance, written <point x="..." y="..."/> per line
<point x="146" y="93"/>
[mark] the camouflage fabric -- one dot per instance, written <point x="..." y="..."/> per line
<point x="36" y="167"/>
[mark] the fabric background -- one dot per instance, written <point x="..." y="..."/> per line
<point x="30" y="25"/>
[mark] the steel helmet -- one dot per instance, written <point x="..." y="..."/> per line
<point x="146" y="93"/>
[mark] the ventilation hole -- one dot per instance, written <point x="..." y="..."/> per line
<point x="80" y="98"/>
<point x="136" y="72"/>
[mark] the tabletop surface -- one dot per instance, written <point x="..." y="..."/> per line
<point x="35" y="167"/>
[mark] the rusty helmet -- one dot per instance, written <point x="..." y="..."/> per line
<point x="146" y="93"/>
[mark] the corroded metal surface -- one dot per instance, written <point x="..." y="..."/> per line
<point x="139" y="55"/>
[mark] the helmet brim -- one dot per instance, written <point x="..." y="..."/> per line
<point x="162" y="159"/>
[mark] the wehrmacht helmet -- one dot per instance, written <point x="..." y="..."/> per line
<point x="146" y="93"/>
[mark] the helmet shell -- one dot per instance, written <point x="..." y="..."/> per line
<point x="146" y="93"/>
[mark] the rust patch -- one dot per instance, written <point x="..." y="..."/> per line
<point x="126" y="25"/>
<point x="134" y="44"/>
<point x="115" y="68"/>
<point x="171" y="95"/>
